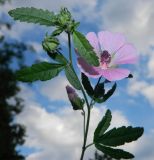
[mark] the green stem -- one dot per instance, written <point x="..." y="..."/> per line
<point x="69" y="47"/>
<point x="84" y="121"/>
<point x="87" y="126"/>
<point x="86" y="100"/>
<point x="89" y="145"/>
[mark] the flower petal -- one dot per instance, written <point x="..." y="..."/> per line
<point x="111" y="41"/>
<point x="88" y="70"/>
<point x="125" y="55"/>
<point x="93" y="40"/>
<point x="114" y="74"/>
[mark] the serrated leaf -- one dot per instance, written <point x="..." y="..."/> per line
<point x="102" y="126"/>
<point x="99" y="91"/>
<point x="72" y="77"/>
<point x="110" y="92"/>
<point x="86" y="84"/>
<point x="33" y="15"/>
<point x="121" y="135"/>
<point x="84" y="49"/>
<point x="114" y="153"/>
<point x="41" y="71"/>
<point x="58" y="57"/>
<point x="107" y="95"/>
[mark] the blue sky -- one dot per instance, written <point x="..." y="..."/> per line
<point x="51" y="124"/>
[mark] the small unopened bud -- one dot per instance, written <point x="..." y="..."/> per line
<point x="50" y="43"/>
<point x="75" y="100"/>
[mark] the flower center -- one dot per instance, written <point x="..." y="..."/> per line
<point x="105" y="58"/>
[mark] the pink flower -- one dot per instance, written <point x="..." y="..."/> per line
<point x="113" y="50"/>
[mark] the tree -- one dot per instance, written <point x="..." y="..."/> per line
<point x="11" y="134"/>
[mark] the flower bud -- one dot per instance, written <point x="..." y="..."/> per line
<point x="75" y="100"/>
<point x="50" y="43"/>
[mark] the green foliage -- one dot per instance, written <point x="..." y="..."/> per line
<point x="102" y="126"/>
<point x="86" y="84"/>
<point x="115" y="137"/>
<point x="120" y="136"/>
<point x="72" y="77"/>
<point x="99" y="91"/>
<point x="57" y="32"/>
<point x="105" y="96"/>
<point x="58" y="57"/>
<point x="50" y="43"/>
<point x="63" y="20"/>
<point x="115" y="153"/>
<point x="33" y="15"/>
<point x="84" y="49"/>
<point x="41" y="71"/>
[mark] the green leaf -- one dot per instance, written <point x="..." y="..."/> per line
<point x="57" y="57"/>
<point x="57" y="32"/>
<point x="72" y="77"/>
<point x="107" y="95"/>
<point x="114" y="153"/>
<point x="110" y="92"/>
<point x="102" y="126"/>
<point x="33" y="15"/>
<point x="120" y="136"/>
<point x="86" y="84"/>
<point x="99" y="91"/>
<point x="84" y="49"/>
<point x="41" y="71"/>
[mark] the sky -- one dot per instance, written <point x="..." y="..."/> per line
<point x="54" y="130"/>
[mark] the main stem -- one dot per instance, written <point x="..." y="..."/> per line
<point x="87" y="126"/>
<point x="87" y="103"/>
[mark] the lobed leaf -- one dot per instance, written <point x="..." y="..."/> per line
<point x="107" y="95"/>
<point x="114" y="153"/>
<point x="99" y="91"/>
<point x="41" y="71"/>
<point x="33" y="15"/>
<point x="102" y="126"/>
<point x="120" y="136"/>
<point x="84" y="49"/>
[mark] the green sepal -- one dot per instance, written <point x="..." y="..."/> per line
<point x="57" y="32"/>
<point x="77" y="103"/>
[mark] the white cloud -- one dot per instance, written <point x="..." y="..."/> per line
<point x="59" y="135"/>
<point x="133" y="18"/>
<point x="137" y="87"/>
<point x="55" y="90"/>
